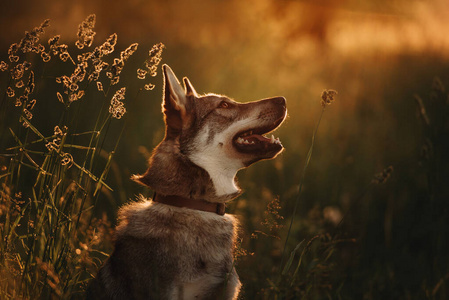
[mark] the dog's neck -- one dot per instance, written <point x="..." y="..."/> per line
<point x="221" y="174"/>
<point x="178" y="201"/>
<point x="173" y="173"/>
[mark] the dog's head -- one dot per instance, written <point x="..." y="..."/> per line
<point x="218" y="134"/>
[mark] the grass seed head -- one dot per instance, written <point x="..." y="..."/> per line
<point x="13" y="49"/>
<point x="54" y="40"/>
<point x="109" y="46"/>
<point x="124" y="55"/>
<point x="17" y="72"/>
<point x="154" y="58"/>
<point x="26" y="65"/>
<point x="58" y="94"/>
<point x="10" y="92"/>
<point x="28" y="43"/>
<point x="27" y="114"/>
<point x="3" y="66"/>
<point x="45" y="56"/>
<point x="13" y="58"/>
<point x="85" y="32"/>
<point x="30" y="105"/>
<point x="327" y="97"/>
<point x="141" y="74"/>
<point x="19" y="84"/>
<point x="67" y="160"/>
<point x="64" y="56"/>
<point x="99" y="86"/>
<point x="117" y="108"/>
<point x="149" y="86"/>
<point x="383" y="176"/>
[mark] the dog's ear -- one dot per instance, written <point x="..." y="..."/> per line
<point x="190" y="90"/>
<point x="177" y="103"/>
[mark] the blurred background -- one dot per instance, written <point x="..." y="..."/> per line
<point x="389" y="62"/>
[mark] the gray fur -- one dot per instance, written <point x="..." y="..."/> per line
<point x="154" y="235"/>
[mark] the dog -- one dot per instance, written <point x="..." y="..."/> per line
<point x="179" y="245"/>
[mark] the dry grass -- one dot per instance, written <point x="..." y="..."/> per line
<point x="51" y="243"/>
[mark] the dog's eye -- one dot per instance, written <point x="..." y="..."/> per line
<point x="224" y="104"/>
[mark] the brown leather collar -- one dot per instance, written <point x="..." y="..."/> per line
<point x="218" y="208"/>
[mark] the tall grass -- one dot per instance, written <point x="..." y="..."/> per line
<point x="294" y="280"/>
<point x="368" y="252"/>
<point x="53" y="174"/>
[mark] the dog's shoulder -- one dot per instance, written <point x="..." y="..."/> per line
<point x="147" y="219"/>
<point x="201" y="242"/>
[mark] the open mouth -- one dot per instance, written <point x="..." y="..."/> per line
<point x="256" y="140"/>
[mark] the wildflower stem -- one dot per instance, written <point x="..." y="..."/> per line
<point x="301" y="181"/>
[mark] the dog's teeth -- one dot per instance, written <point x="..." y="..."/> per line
<point x="245" y="142"/>
<point x="239" y="140"/>
<point x="252" y="142"/>
<point x="272" y="139"/>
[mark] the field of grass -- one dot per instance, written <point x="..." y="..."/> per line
<point x="357" y="207"/>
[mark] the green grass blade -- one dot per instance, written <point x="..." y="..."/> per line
<point x="16" y="222"/>
<point x="32" y="143"/>
<point x="34" y="129"/>
<point x="78" y="147"/>
<point x="92" y="176"/>
<point x="290" y="260"/>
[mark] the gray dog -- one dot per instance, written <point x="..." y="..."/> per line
<point x="180" y="244"/>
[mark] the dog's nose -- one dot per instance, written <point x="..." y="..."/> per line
<point x="280" y="101"/>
